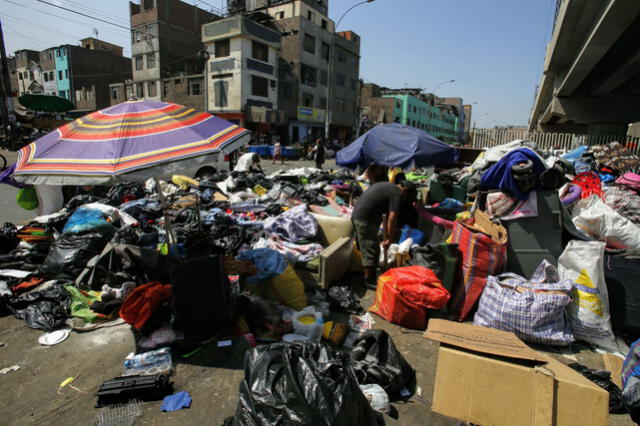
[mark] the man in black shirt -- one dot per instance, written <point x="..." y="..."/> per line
<point x="380" y="199"/>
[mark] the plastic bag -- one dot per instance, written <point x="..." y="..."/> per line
<point x="300" y="384"/>
<point x="532" y="309"/>
<point x="8" y="238"/>
<point x="270" y="264"/>
<point x="602" y="378"/>
<point x="404" y="294"/>
<point x="583" y="263"/>
<point x="27" y="198"/>
<point x="600" y="221"/>
<point x="344" y="300"/>
<point x="416" y="235"/>
<point x="85" y="219"/>
<point x="70" y="253"/>
<point x="377" y="397"/>
<point x="443" y="259"/>
<point x="375" y="360"/>
<point x="42" y="310"/>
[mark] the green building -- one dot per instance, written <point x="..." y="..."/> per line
<point x="439" y="121"/>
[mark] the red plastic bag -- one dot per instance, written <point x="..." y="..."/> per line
<point x="404" y="295"/>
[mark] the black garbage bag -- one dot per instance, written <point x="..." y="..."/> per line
<point x="125" y="191"/>
<point x="69" y="254"/>
<point x="46" y="309"/>
<point x="8" y="238"/>
<point x="375" y="360"/>
<point x="80" y="200"/>
<point x="602" y="378"/>
<point x="443" y="259"/>
<point x="343" y="299"/>
<point x="300" y="384"/>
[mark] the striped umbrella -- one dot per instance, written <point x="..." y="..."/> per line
<point x="131" y="141"/>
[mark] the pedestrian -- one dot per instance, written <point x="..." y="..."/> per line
<point x="277" y="152"/>
<point x="305" y="147"/>
<point x="319" y="153"/>
<point x="249" y="162"/>
<point x="380" y="202"/>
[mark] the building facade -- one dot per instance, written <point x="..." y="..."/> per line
<point x="243" y="70"/>
<point x="166" y="46"/>
<point x="29" y="72"/>
<point x="468" y="110"/>
<point x="48" y="66"/>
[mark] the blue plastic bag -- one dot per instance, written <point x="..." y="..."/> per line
<point x="416" y="235"/>
<point x="84" y="219"/>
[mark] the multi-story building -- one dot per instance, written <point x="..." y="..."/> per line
<point x="48" y="66"/>
<point x="28" y="71"/>
<point x="83" y="74"/>
<point x="460" y="113"/>
<point x="168" y="53"/>
<point x="468" y="109"/>
<point x="412" y="108"/>
<point x="243" y="69"/>
<point x="13" y="75"/>
<point x="308" y="42"/>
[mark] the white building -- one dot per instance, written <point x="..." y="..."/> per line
<point x="242" y="71"/>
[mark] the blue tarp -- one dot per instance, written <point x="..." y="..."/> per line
<point x="396" y="145"/>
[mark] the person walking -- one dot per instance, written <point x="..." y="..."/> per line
<point x="277" y="152"/>
<point x="319" y="153"/>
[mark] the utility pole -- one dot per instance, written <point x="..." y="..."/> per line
<point x="5" y="89"/>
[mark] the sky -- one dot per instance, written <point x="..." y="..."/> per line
<point x="493" y="49"/>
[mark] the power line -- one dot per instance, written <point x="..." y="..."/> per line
<point x="41" y="27"/>
<point x="101" y="12"/>
<point x="84" y="14"/>
<point x="65" y="18"/>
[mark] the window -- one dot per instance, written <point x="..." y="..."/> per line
<point x="310" y="44"/>
<point x="195" y="86"/>
<point x="323" y="102"/>
<point x="222" y="48"/>
<point x="280" y="15"/>
<point x="325" y="51"/>
<point x="31" y="75"/>
<point x="259" y="86"/>
<point x="352" y="84"/>
<point x="79" y="96"/>
<point x="138" y="63"/>
<point x="342" y="57"/>
<point x="58" y="53"/>
<point x="114" y="93"/>
<point x="140" y="90"/>
<point x="165" y="88"/>
<point x="324" y="24"/>
<point x="148" y="4"/>
<point x="260" y="51"/>
<point x="308" y="75"/>
<point x="310" y="15"/>
<point x="46" y="76"/>
<point x="152" y="89"/>
<point x="136" y="35"/>
<point x="324" y="78"/>
<point x="307" y="100"/>
<point x="20" y="75"/>
<point x="220" y="92"/>
<point x="51" y="75"/>
<point x="61" y="93"/>
<point x="66" y="73"/>
<point x="60" y="75"/>
<point x="415" y="109"/>
<point x="151" y="60"/>
<point x="340" y="80"/>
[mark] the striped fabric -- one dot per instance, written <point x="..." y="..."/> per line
<point x="124" y="138"/>
<point x="481" y="257"/>
<point x="533" y="310"/>
<point x="631" y="365"/>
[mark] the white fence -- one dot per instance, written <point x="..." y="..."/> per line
<point x="486" y="138"/>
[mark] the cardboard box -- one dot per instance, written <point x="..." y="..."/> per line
<point x="490" y="377"/>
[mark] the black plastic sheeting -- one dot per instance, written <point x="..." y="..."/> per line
<point x="602" y="378"/>
<point x="343" y="299"/>
<point x="69" y="254"/>
<point x="376" y="360"/>
<point x="46" y="309"/>
<point x="300" y="384"/>
<point x="8" y="239"/>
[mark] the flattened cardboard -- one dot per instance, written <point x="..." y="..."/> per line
<point x="481" y="339"/>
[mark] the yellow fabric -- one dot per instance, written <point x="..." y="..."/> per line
<point x="184" y="181"/>
<point x="286" y="289"/>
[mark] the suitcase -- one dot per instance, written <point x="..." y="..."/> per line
<point x="621" y="274"/>
<point x="533" y="239"/>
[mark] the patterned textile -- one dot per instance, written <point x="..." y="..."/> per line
<point x="625" y="201"/>
<point x="125" y="138"/>
<point x="481" y="257"/>
<point x="295" y="225"/>
<point x="533" y="310"/>
<point x="615" y="156"/>
<point x="589" y="183"/>
<point x="295" y="252"/>
<point x="631" y="365"/>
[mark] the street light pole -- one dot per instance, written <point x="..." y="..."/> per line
<point x="327" y="111"/>
<point x="433" y="92"/>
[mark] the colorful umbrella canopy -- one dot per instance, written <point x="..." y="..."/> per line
<point x="130" y="141"/>
<point x="396" y="145"/>
<point x="46" y="103"/>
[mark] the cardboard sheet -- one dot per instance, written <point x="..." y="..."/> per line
<point x="481" y="339"/>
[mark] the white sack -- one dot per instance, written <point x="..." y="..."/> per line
<point x="603" y="223"/>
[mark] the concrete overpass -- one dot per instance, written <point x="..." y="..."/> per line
<point x="591" y="78"/>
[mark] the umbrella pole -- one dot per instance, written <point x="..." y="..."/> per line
<point x="171" y="239"/>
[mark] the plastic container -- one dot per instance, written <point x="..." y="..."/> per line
<point x="149" y="359"/>
<point x="308" y="322"/>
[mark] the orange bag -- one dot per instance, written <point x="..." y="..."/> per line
<point x="404" y="295"/>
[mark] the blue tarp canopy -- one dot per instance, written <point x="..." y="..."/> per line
<point x="396" y="145"/>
